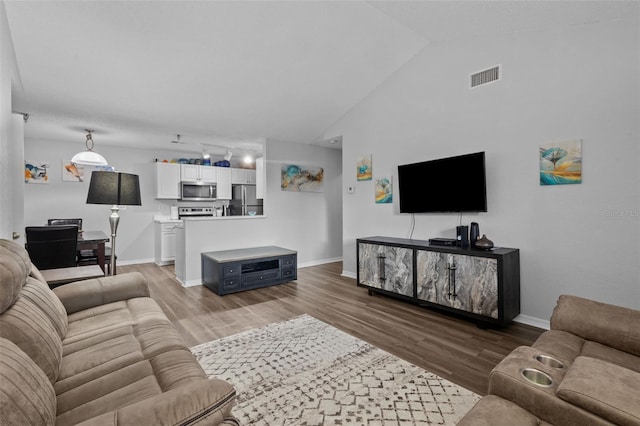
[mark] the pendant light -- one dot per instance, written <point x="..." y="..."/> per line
<point x="89" y="157"/>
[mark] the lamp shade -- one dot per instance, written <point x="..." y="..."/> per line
<point x="119" y="189"/>
<point x="89" y="158"/>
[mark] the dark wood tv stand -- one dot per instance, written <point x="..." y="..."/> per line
<point x="483" y="285"/>
<point x="231" y="271"/>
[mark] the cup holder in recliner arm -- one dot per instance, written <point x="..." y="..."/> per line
<point x="537" y="377"/>
<point x="549" y="361"/>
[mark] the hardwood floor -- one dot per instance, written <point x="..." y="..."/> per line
<point x="450" y="347"/>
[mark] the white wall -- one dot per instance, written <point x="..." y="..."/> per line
<point x="579" y="83"/>
<point x="312" y="222"/>
<point x="11" y="146"/>
<point x="308" y="222"/>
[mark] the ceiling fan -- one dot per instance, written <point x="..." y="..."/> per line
<point x="178" y="141"/>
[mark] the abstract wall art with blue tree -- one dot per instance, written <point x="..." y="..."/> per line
<point x="561" y="163"/>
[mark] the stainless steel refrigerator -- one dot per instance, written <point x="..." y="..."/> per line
<point x="244" y="201"/>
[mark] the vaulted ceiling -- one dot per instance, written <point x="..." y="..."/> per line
<point x="140" y="72"/>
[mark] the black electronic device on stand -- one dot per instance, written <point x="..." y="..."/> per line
<point x="474" y="233"/>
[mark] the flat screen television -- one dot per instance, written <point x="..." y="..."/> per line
<point x="452" y="184"/>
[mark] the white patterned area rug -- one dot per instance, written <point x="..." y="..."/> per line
<point x="306" y="372"/>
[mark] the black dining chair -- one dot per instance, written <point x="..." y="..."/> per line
<point x="86" y="256"/>
<point x="75" y="221"/>
<point x="52" y="247"/>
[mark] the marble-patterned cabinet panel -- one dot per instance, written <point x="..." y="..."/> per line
<point x="386" y="267"/>
<point x="467" y="283"/>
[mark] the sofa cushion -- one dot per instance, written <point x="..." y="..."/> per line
<point x="611" y="355"/>
<point x="125" y="386"/>
<point x="117" y="354"/>
<point x="206" y="402"/>
<point x="96" y="321"/>
<point x="41" y="295"/>
<point x="14" y="269"/>
<point x="605" y="389"/>
<point x="29" y="328"/>
<point x="27" y="397"/>
<point x="610" y="325"/>
<point x="98" y="360"/>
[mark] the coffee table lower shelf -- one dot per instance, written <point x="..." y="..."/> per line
<point x="231" y="271"/>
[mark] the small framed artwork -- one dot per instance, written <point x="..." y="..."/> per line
<point x="72" y="172"/>
<point x="561" y="163"/>
<point x="36" y="172"/>
<point x="384" y="190"/>
<point x="364" y="170"/>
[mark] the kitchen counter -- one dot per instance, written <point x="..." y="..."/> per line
<point x="165" y="219"/>
<point x="200" y="218"/>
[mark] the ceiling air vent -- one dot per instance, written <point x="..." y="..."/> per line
<point x="486" y="76"/>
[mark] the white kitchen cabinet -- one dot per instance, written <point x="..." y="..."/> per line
<point x="167" y="181"/>
<point x="243" y="176"/>
<point x="165" y="244"/>
<point x="223" y="185"/>
<point x="196" y="173"/>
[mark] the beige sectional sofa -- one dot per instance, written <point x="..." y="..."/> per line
<point x="584" y="371"/>
<point x="96" y="352"/>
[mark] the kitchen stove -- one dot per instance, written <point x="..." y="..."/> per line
<point x="194" y="211"/>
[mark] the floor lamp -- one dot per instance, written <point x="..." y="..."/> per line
<point x="117" y="189"/>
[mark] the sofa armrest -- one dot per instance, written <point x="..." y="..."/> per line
<point x="205" y="402"/>
<point x="86" y="294"/>
<point x="610" y="325"/>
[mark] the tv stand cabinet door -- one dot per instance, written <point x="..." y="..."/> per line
<point x="384" y="267"/>
<point x="471" y="287"/>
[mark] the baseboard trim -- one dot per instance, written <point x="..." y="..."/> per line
<point x="349" y="274"/>
<point x="134" y="262"/>
<point x="319" y="262"/>
<point x="533" y="321"/>
<point x="190" y="283"/>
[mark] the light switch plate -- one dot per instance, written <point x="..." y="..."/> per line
<point x="351" y="189"/>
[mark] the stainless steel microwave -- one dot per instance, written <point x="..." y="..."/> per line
<point x="197" y="191"/>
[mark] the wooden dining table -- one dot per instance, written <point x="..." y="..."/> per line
<point x="94" y="240"/>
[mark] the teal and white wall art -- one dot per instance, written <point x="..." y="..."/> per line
<point x="364" y="169"/>
<point x="296" y="178"/>
<point x="384" y="190"/>
<point x="561" y="163"/>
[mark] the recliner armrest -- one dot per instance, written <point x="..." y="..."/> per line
<point x="86" y="294"/>
<point x="205" y="402"/>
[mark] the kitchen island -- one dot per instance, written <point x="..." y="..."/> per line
<point x="206" y="234"/>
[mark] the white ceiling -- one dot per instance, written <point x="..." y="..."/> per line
<point x="221" y="72"/>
